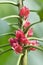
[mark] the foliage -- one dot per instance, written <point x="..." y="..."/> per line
<point x="8" y="25"/>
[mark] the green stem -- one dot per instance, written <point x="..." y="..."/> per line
<point x="25" y="31"/>
<point x="5" y="51"/>
<point x="11" y="16"/>
<point x="7" y="34"/>
<point x="20" y="4"/>
<point x="24" y="58"/>
<point x="35" y="38"/>
<point x="4" y="45"/>
<point x="37" y="47"/>
<point x="35" y="23"/>
<point x="34" y="10"/>
<point x="21" y="55"/>
<point x="9" y="2"/>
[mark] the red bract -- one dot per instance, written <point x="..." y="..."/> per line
<point x="30" y="32"/>
<point x="24" y="40"/>
<point x="26" y="24"/>
<point x="24" y="12"/>
<point x="17" y="48"/>
<point x="33" y="43"/>
<point x="15" y="45"/>
<point x="12" y="40"/>
<point x="19" y="34"/>
<point x="21" y="37"/>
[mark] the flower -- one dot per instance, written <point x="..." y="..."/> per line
<point x="21" y="37"/>
<point x="33" y="43"/>
<point x="12" y="40"/>
<point x="20" y="40"/>
<point x="30" y="32"/>
<point x="24" y="12"/>
<point x="26" y="24"/>
<point x="24" y="41"/>
<point x="19" y="34"/>
<point x="17" y="48"/>
<point x="15" y="45"/>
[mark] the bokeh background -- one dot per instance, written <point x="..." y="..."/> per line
<point x="10" y="58"/>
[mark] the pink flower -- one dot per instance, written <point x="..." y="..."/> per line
<point x="30" y="32"/>
<point x="12" y="40"/>
<point x="26" y="24"/>
<point x="24" y="12"/>
<point x="19" y="34"/>
<point x="24" y="40"/>
<point x="15" y="45"/>
<point x="17" y="48"/>
<point x="21" y="37"/>
<point x="33" y="43"/>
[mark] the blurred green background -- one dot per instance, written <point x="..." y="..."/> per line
<point x="10" y="58"/>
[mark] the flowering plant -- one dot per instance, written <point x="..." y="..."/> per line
<point x="22" y="40"/>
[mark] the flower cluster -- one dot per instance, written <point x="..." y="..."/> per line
<point x="21" y="39"/>
<point x="18" y="43"/>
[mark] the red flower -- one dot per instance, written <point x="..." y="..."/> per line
<point x="17" y="48"/>
<point x="12" y="40"/>
<point x="19" y="34"/>
<point x="15" y="45"/>
<point x="24" y="12"/>
<point x="21" y="37"/>
<point x="24" y="40"/>
<point x="26" y="24"/>
<point x="33" y="43"/>
<point x="30" y="32"/>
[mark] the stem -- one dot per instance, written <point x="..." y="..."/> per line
<point x="35" y="23"/>
<point x="22" y="59"/>
<point x="7" y="34"/>
<point x="5" y="51"/>
<point x="39" y="48"/>
<point x="9" y="2"/>
<point x="11" y="16"/>
<point x="25" y="58"/>
<point x="25" y="31"/>
<point x="4" y="45"/>
<point x="33" y="10"/>
<point x="35" y="38"/>
<point x="18" y="63"/>
<point x="20" y="2"/>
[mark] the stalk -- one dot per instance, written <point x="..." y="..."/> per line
<point x="22" y="59"/>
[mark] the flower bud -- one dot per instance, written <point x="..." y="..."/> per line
<point x="24" y="41"/>
<point x="30" y="32"/>
<point x="19" y="34"/>
<point x="24" y="12"/>
<point x="17" y="48"/>
<point x="26" y="24"/>
<point x="33" y="43"/>
<point x="12" y="40"/>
